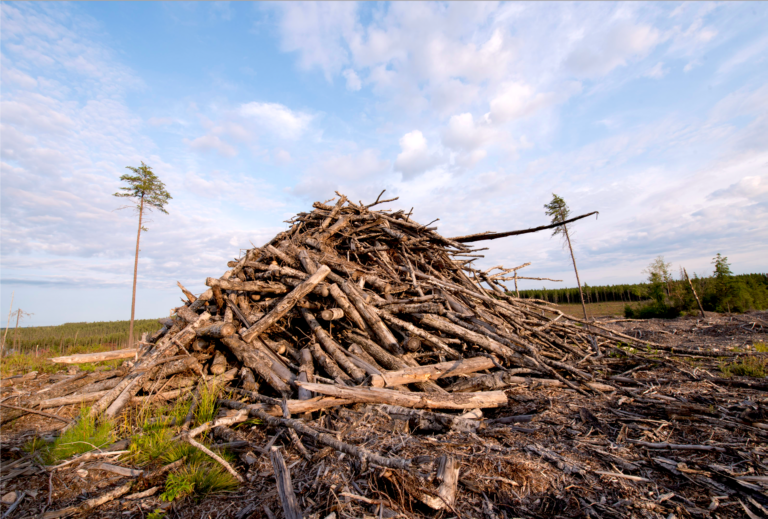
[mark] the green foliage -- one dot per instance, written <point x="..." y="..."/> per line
<point x="760" y="347"/>
<point x="654" y="310"/>
<point x="201" y="478"/>
<point x="146" y="188"/>
<point x="558" y="210"/>
<point x="34" y="445"/>
<point x="722" y="267"/>
<point x="659" y="277"/>
<point x="157" y="514"/>
<point x="73" y="338"/>
<point x="749" y="366"/>
<point x="736" y="293"/>
<point x="85" y="436"/>
<point x="207" y="407"/>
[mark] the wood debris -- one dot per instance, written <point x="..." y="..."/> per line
<point x="409" y="375"/>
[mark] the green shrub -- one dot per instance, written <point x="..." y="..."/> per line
<point x="745" y="367"/>
<point x="652" y="310"/>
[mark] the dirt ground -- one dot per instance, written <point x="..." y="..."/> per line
<point x="674" y="439"/>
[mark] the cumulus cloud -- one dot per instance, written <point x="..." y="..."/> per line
<point x="415" y="157"/>
<point x="287" y="123"/>
<point x="317" y="31"/>
<point x="463" y="133"/>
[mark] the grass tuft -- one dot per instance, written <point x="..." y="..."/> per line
<point x="85" y="436"/>
<point x="748" y="366"/>
<point x="200" y="478"/>
<point x="207" y="408"/>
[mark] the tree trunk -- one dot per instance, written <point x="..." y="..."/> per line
<point x="83" y="358"/>
<point x="701" y="308"/>
<point x="5" y="335"/>
<point x="576" y="270"/>
<point x="135" y="274"/>
<point x="16" y="330"/>
<point x="374" y="395"/>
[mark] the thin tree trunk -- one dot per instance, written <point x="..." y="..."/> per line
<point x="135" y="274"/>
<point x="698" y="302"/>
<point x="5" y="335"/>
<point x="578" y="282"/>
<point x="16" y="330"/>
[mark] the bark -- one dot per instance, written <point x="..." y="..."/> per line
<point x="257" y="361"/>
<point x="504" y="379"/>
<point x="493" y="236"/>
<point x="374" y="321"/>
<point x="332" y="314"/>
<point x="698" y="302"/>
<point x="84" y="358"/>
<point x="576" y="270"/>
<point x="286" y="304"/>
<point x="216" y="330"/>
<point x="372" y="395"/>
<point x="306" y="373"/>
<point x="284" y="485"/>
<point x="187" y="293"/>
<point x="432" y="372"/>
<point x="264" y="287"/>
<point x="332" y="347"/>
<point x="219" y="364"/>
<point x="328" y="364"/>
<point x="470" y="336"/>
<point x="135" y="273"/>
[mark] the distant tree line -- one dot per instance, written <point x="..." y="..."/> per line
<point x="664" y="296"/>
<point x="73" y="338"/>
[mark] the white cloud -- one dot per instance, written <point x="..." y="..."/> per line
<point x="516" y="100"/>
<point x="415" y="157"/>
<point x="317" y="30"/>
<point x="274" y="117"/>
<point x="353" y="80"/>
<point x="357" y="173"/>
<point x="282" y="157"/>
<point x="752" y="187"/>
<point x="213" y="143"/>
<point x="754" y="54"/>
<point x="598" y="53"/>
<point x="463" y="133"/>
<point x="657" y="71"/>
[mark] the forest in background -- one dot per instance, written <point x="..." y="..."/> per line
<point x="724" y="293"/>
<point x="70" y="338"/>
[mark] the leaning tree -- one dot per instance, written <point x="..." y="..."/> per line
<point x="559" y="211"/>
<point x="148" y="193"/>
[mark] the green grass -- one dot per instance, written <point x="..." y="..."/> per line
<point x="760" y="347"/>
<point x="748" y="366"/>
<point x="86" y="435"/>
<point x="67" y="338"/>
<point x="199" y="478"/>
<point x="593" y="309"/>
<point x="207" y="408"/>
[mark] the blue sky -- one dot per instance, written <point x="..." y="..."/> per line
<point x="474" y="113"/>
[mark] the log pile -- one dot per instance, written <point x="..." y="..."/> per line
<point x="360" y="305"/>
<point x="366" y="313"/>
